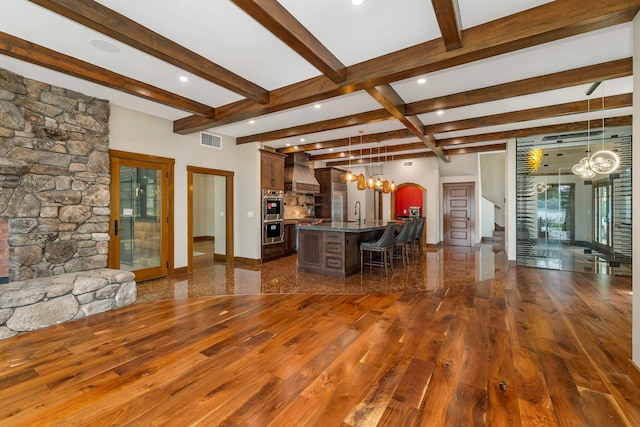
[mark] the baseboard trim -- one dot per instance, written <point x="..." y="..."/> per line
<point x="634" y="373"/>
<point x="203" y="238"/>
<point x="219" y="257"/>
<point x="248" y="261"/>
<point x="180" y="270"/>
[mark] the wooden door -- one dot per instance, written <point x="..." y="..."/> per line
<point x="458" y="214"/>
<point x="140" y="204"/>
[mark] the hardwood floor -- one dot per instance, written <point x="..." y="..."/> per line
<point x="528" y="347"/>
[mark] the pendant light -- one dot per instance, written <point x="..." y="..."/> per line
<point x="361" y="185"/>
<point x="385" y="185"/>
<point x="371" y="183"/>
<point x="583" y="167"/>
<point x="349" y="176"/>
<point x="604" y="161"/>
<point x="392" y="186"/>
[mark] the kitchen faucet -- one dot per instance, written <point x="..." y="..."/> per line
<point x="357" y="211"/>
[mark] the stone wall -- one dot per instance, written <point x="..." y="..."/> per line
<point x="39" y="303"/>
<point x="54" y="178"/>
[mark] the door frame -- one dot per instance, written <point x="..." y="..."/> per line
<point x="167" y="201"/>
<point x="228" y="175"/>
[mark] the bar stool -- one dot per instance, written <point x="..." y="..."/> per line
<point x="384" y="246"/>
<point x="419" y="232"/>
<point x="401" y="240"/>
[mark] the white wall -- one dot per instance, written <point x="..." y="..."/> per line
<point x="510" y="211"/>
<point x="204" y="218"/>
<point x="492" y="184"/>
<point x="140" y="133"/>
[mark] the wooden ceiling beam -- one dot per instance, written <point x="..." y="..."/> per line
<point x="393" y="103"/>
<point x="419" y="154"/>
<point x="275" y="18"/>
<point x="576" y="107"/>
<point x="44" y="57"/>
<point x="450" y="23"/>
<point x="343" y="142"/>
<point x="364" y="152"/>
<point x="533" y="131"/>
<point x="562" y="79"/>
<point x="549" y="22"/>
<point x="340" y="122"/>
<point x="108" y="22"/>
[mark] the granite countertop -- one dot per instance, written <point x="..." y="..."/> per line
<point x="348" y="227"/>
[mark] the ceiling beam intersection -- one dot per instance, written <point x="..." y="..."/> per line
<point x="275" y="18"/>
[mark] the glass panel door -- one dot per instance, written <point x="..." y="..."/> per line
<point x="138" y="231"/>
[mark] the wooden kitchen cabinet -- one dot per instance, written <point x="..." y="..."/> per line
<point x="289" y="239"/>
<point x="271" y="170"/>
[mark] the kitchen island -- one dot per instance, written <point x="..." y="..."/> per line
<point x="333" y="248"/>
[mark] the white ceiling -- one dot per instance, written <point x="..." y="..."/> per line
<point x="223" y="33"/>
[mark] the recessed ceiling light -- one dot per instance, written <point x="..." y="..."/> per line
<point x="317" y="106"/>
<point x="351" y="157"/>
<point x="184" y="79"/>
<point x="251" y="122"/>
<point x="302" y="140"/>
<point x="439" y="112"/>
<point x="105" y="46"/>
<point x="357" y="2"/>
<point x="288" y="144"/>
<point x="422" y="81"/>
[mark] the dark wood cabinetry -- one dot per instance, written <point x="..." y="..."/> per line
<point x="331" y="252"/>
<point x="272" y="251"/>
<point x="272" y="170"/>
<point x="289" y="239"/>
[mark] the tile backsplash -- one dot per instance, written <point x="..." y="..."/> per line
<point x="297" y="205"/>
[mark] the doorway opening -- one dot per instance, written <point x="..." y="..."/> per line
<point x="210" y="216"/>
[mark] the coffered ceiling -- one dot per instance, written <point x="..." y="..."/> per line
<point x="399" y="78"/>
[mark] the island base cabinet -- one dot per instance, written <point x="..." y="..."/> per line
<point x="329" y="253"/>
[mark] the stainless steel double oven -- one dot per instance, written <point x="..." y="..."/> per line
<point x="272" y="216"/>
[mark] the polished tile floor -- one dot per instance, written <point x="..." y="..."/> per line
<point x="435" y="268"/>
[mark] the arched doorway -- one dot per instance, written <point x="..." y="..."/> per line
<point x="406" y="198"/>
<point x="409" y="195"/>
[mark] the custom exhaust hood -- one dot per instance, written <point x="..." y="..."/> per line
<point x="298" y="176"/>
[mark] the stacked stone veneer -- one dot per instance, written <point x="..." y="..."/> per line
<point x="54" y="194"/>
<point x="54" y="178"/>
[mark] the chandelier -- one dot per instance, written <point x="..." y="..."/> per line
<point x="601" y="162"/>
